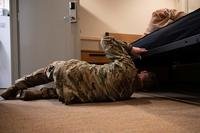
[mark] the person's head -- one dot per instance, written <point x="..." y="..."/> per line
<point x="147" y="80"/>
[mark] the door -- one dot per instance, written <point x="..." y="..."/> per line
<point x="44" y="34"/>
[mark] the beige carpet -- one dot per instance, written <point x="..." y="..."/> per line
<point x="142" y="114"/>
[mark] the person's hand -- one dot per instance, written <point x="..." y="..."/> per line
<point x="136" y="51"/>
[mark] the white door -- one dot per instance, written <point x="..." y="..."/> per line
<point x="44" y="35"/>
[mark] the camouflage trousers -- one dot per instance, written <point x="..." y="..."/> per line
<point x="79" y="81"/>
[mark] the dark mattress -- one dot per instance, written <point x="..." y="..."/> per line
<point x="176" y="42"/>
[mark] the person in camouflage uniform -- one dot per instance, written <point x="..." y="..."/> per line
<point x="78" y="81"/>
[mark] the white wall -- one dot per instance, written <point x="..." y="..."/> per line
<point x="124" y="16"/>
<point x="193" y="5"/>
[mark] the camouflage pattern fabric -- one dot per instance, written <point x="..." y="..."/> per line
<point x="79" y="81"/>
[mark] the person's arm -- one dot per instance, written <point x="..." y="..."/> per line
<point x="136" y="51"/>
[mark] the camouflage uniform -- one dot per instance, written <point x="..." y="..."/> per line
<point x="79" y="81"/>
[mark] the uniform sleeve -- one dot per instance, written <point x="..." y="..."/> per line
<point x="115" y="49"/>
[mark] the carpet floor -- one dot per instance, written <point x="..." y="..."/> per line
<point x="144" y="113"/>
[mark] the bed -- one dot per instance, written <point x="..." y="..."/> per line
<point x="173" y="51"/>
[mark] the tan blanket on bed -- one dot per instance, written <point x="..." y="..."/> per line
<point x="163" y="17"/>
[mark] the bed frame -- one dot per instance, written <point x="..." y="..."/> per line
<point x="174" y="52"/>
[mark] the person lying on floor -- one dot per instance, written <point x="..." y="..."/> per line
<point x="79" y="82"/>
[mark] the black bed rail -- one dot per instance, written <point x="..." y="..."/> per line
<point x="192" y="40"/>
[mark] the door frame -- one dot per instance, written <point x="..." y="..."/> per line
<point x="14" y="33"/>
